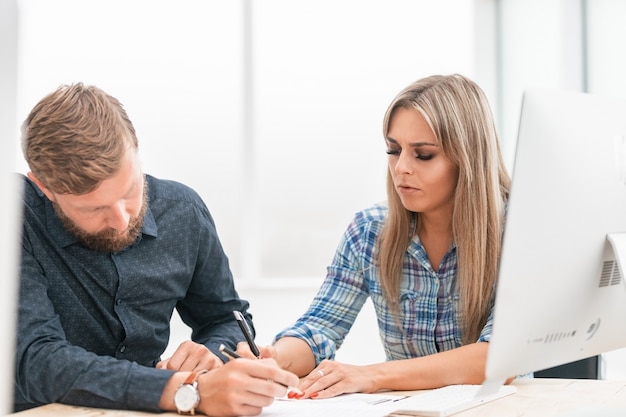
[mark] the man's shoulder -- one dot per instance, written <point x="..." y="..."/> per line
<point x="31" y="194"/>
<point x="171" y="190"/>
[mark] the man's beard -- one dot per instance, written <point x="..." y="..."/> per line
<point x="106" y="240"/>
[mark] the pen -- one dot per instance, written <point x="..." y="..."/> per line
<point x="243" y="325"/>
<point x="225" y="349"/>
<point x="292" y="392"/>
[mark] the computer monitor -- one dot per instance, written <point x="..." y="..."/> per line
<point x="10" y="217"/>
<point x="561" y="295"/>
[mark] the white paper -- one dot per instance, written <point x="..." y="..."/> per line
<point x="347" y="405"/>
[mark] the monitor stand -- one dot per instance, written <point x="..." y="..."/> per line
<point x="490" y="386"/>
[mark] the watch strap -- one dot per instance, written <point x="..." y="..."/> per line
<point x="193" y="377"/>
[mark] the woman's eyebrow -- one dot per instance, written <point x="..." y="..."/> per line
<point x="415" y="144"/>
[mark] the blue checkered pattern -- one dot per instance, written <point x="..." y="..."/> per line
<point x="428" y="300"/>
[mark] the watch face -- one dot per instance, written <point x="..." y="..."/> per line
<point x="186" y="398"/>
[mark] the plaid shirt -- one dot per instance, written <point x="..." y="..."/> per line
<point x="429" y="321"/>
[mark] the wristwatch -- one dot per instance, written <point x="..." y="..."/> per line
<point x="187" y="396"/>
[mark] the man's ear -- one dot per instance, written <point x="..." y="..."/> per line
<point x="42" y="187"/>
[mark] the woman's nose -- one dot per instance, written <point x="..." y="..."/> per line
<point x="403" y="163"/>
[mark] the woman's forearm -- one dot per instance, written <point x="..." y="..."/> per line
<point x="294" y="355"/>
<point x="464" y="365"/>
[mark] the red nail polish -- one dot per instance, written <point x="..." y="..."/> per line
<point x="291" y="394"/>
<point x="314" y="395"/>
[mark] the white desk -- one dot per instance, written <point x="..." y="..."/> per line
<point x="534" y="398"/>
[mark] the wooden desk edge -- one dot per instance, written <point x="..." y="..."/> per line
<point x="527" y="388"/>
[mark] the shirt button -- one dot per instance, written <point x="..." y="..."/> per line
<point x="122" y="349"/>
<point x="118" y="301"/>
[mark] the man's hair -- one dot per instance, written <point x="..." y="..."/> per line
<point x="75" y="138"/>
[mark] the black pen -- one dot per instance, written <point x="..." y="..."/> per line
<point x="225" y="349"/>
<point x="243" y="325"/>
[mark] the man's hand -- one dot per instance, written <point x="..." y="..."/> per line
<point x="267" y="352"/>
<point x="243" y="387"/>
<point x="190" y="356"/>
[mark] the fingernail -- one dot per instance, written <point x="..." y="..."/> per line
<point x="314" y="395"/>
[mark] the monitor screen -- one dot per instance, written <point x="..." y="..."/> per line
<point x="10" y="217"/>
<point x="561" y="296"/>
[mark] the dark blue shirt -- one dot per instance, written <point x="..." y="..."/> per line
<point x="92" y="325"/>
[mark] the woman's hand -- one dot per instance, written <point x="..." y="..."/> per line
<point x="331" y="378"/>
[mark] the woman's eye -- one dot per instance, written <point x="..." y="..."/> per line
<point x="393" y="152"/>
<point x="424" y="156"/>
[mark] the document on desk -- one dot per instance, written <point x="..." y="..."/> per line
<point x="347" y="405"/>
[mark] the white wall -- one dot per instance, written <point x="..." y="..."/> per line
<point x="540" y="46"/>
<point x="277" y="125"/>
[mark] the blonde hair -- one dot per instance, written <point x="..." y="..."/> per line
<point x="75" y="138"/>
<point x="458" y="112"/>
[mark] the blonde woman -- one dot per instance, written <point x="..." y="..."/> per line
<point x="428" y="257"/>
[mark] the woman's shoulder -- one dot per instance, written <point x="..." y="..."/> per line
<point x="369" y="219"/>
<point x="374" y="213"/>
<point x="362" y="233"/>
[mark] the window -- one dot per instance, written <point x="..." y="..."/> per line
<point x="271" y="110"/>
